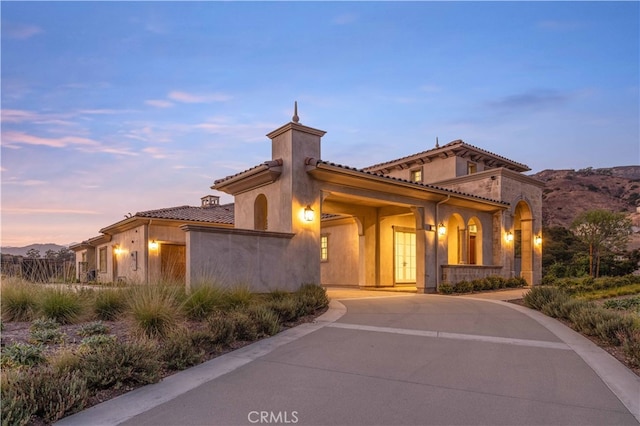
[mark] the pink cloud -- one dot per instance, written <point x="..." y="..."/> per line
<point x="191" y="98"/>
<point x="17" y="138"/>
<point x="159" y="103"/>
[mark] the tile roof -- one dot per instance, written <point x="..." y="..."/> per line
<point x="391" y="178"/>
<point x="450" y="145"/>
<point x="213" y="214"/>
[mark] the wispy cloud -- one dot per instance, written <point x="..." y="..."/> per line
<point x="533" y="99"/>
<point x="197" y="98"/>
<point x="155" y="152"/>
<point x="28" y="182"/>
<point x="13" y="138"/>
<point x="20" y="31"/>
<point x="159" y="103"/>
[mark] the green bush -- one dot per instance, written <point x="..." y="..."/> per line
<point x="632" y="303"/>
<point x="18" y="401"/>
<point x="463" y="287"/>
<point x="115" y="364"/>
<point x="56" y="394"/>
<point x="286" y="308"/>
<point x="154" y="311"/>
<point x="244" y="327"/>
<point x="181" y="351"/>
<point x="44" y="324"/>
<point x="108" y="304"/>
<point x="613" y="325"/>
<point x="92" y="342"/>
<point x="515" y="282"/>
<point x="537" y="297"/>
<point x="630" y="342"/>
<point x="586" y="320"/>
<point x="266" y="320"/>
<point x="478" y="284"/>
<point x="202" y="302"/>
<point x="221" y="328"/>
<point x="61" y="305"/>
<point x="44" y="336"/>
<point x="278" y="295"/>
<point x="93" y="328"/>
<point x="445" y="288"/>
<point x="238" y="297"/>
<point x="21" y="354"/>
<point x="19" y="302"/>
<point x="310" y="298"/>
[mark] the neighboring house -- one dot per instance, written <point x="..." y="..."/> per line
<point x="452" y="213"/>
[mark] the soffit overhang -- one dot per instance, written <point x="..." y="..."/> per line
<point x="135" y="221"/>
<point x="258" y="176"/>
<point x="487" y="174"/>
<point x="354" y="180"/>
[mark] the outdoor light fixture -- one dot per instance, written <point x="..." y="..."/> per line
<point x="538" y="239"/>
<point x="117" y="249"/>
<point x="508" y="237"/>
<point x="308" y="213"/>
<point x="153" y="245"/>
<point x="442" y="229"/>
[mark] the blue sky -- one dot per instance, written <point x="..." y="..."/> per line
<point x="111" y="108"/>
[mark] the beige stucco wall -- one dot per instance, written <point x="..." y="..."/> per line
<point x="263" y="261"/>
<point x="341" y="268"/>
<point x="162" y="235"/>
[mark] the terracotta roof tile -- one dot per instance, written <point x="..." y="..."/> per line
<point x="213" y="214"/>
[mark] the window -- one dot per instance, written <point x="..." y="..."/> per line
<point x="472" y="168"/>
<point x="324" y="248"/>
<point x="416" y="175"/>
<point x="103" y="259"/>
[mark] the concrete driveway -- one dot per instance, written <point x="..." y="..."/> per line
<point x="393" y="358"/>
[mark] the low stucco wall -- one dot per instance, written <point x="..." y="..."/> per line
<point x="453" y="274"/>
<point x="262" y="260"/>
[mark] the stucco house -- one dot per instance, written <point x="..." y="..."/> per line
<point x="455" y="212"/>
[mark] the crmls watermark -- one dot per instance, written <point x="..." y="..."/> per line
<point x="273" y="417"/>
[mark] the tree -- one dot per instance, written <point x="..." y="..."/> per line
<point x="604" y="232"/>
<point x="33" y="253"/>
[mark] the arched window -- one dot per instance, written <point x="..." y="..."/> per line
<point x="474" y="242"/>
<point x="260" y="213"/>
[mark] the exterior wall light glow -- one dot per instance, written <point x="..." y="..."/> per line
<point x="309" y="214"/>
<point x="508" y="237"/>
<point x="442" y="229"/>
<point x="117" y="250"/>
<point x="538" y="239"/>
<point x="153" y="245"/>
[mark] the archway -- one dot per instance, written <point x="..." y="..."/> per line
<point x="474" y="242"/>
<point x="260" y="222"/>
<point x="456" y="240"/>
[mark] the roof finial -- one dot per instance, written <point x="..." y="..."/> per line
<point x="437" y="144"/>
<point x="295" y="112"/>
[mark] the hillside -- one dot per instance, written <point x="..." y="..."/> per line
<point x="570" y="192"/>
<point x="22" y="251"/>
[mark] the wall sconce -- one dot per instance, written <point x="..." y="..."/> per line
<point x="538" y="239"/>
<point x="117" y="250"/>
<point x="153" y="245"/>
<point x="442" y="229"/>
<point x="508" y="237"/>
<point x="309" y="213"/>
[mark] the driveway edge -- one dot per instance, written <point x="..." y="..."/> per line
<point x="124" y="407"/>
<point x="618" y="378"/>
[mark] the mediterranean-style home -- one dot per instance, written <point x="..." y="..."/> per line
<point x="455" y="212"/>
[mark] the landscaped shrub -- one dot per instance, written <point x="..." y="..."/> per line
<point x="93" y="328"/>
<point x="565" y="309"/>
<point x="286" y="308"/>
<point x="61" y="305"/>
<point x="221" y="328"/>
<point x="445" y="288"/>
<point x="238" y="297"/>
<point x="495" y="282"/>
<point x="64" y="360"/>
<point x="46" y="335"/>
<point x="116" y="364"/>
<point x="180" y="351"/>
<point x="463" y="287"/>
<point x="586" y="320"/>
<point x="631" y="345"/>
<point x="21" y="354"/>
<point x="613" y="325"/>
<point x="537" y="297"/>
<point x="108" y="304"/>
<point x="154" y="310"/>
<point x="478" y="284"/>
<point x="515" y="282"/>
<point x="278" y="295"/>
<point x="310" y="298"/>
<point x="631" y="304"/>
<point x="244" y="327"/>
<point x="19" y="301"/>
<point x="266" y="320"/>
<point x="56" y="394"/>
<point x="92" y="342"/>
<point x="202" y="302"/>
<point x="18" y="403"/>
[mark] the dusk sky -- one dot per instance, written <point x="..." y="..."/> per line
<point x="114" y="108"/>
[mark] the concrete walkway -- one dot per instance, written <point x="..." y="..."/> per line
<point x="396" y="359"/>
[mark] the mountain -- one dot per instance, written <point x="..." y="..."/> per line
<point x="571" y="192"/>
<point x="22" y="251"/>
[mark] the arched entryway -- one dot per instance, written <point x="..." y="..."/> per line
<point x="523" y="242"/>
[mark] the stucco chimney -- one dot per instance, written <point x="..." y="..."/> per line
<point x="210" y="201"/>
